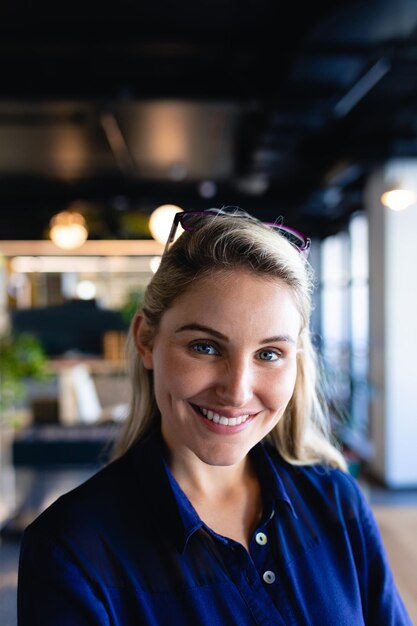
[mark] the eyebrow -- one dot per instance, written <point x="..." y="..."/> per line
<point x="216" y="333"/>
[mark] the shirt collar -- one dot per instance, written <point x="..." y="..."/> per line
<point x="169" y="505"/>
<point x="274" y="489"/>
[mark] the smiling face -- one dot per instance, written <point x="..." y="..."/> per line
<point x="224" y="365"/>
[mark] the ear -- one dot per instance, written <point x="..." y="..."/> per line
<point x="143" y="335"/>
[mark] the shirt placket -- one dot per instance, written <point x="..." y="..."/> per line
<point x="255" y="575"/>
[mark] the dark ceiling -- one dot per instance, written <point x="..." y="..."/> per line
<point x="285" y="107"/>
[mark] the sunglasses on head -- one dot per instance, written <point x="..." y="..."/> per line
<point x="190" y="222"/>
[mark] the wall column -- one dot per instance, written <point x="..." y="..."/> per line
<point x="393" y="330"/>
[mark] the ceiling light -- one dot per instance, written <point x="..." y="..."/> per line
<point x="68" y="230"/>
<point x="86" y="290"/>
<point x="398" y="199"/>
<point x="207" y="189"/>
<point x="178" y="171"/>
<point x="254" y="184"/>
<point x="161" y="220"/>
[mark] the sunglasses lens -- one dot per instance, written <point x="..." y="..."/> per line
<point x="192" y="220"/>
<point x="189" y="221"/>
<point x="292" y="237"/>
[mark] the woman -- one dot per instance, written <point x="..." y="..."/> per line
<point x="227" y="502"/>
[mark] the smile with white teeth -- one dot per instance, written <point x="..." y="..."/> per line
<point x="221" y="419"/>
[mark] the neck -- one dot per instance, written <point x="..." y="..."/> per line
<point x="196" y="477"/>
<point x="228" y="499"/>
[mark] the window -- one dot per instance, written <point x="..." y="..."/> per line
<point x="344" y="330"/>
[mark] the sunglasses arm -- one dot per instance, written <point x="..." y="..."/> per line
<point x="172" y="232"/>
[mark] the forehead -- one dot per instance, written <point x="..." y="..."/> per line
<point x="237" y="301"/>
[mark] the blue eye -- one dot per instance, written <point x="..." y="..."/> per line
<point x="205" y="348"/>
<point x="268" y="355"/>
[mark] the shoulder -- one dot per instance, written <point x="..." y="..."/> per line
<point x="118" y="498"/>
<point x="95" y="528"/>
<point x="88" y="504"/>
<point x="320" y="486"/>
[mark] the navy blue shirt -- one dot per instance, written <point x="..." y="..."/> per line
<point x="127" y="548"/>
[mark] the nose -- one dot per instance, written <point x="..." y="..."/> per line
<point x="235" y="386"/>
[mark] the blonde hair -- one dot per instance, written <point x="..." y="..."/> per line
<point x="224" y="243"/>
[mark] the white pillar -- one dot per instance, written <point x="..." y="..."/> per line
<point x="393" y="329"/>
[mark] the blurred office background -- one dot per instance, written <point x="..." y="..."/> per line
<point x="305" y="112"/>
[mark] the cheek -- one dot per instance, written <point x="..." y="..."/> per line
<point x="280" y="387"/>
<point x="173" y="375"/>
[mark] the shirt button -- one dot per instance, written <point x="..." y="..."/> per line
<point x="269" y="577"/>
<point x="261" y="539"/>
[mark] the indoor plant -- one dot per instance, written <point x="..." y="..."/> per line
<point x="21" y="357"/>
